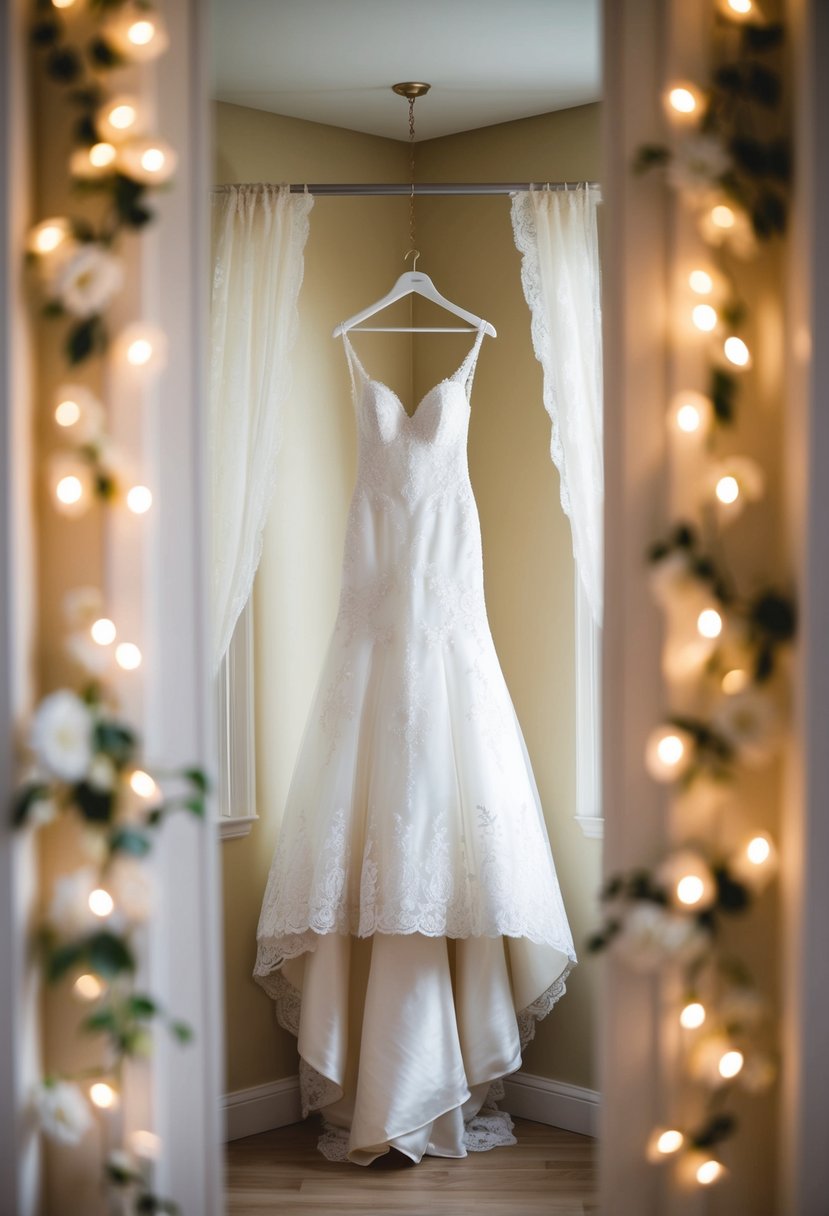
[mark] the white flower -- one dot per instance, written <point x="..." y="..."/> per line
<point x="652" y="935"/>
<point x="86" y="280"/>
<point x="61" y="736"/>
<point x="93" y="658"/>
<point x="698" y="163"/>
<point x="69" y="911"/>
<point x="63" y="1111"/>
<point x="101" y="773"/>
<point x="749" y="722"/>
<point x="82" y="606"/>
<point x="42" y="811"/>
<point x="129" y="884"/>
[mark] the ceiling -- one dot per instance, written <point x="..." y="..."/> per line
<point x="334" y="61"/>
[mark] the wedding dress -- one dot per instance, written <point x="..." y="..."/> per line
<point x="412" y="930"/>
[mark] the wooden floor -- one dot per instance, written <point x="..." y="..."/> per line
<point x="549" y="1171"/>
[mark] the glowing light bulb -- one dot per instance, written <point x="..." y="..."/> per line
<point x="153" y="160"/>
<point x="700" y="282"/>
<point x="682" y="100"/>
<point x="723" y="217"/>
<point x="692" y="1015"/>
<point x="67" y="413"/>
<point x="69" y="490"/>
<point x="758" y="850"/>
<point x="704" y="317"/>
<point x="670" y="749"/>
<point x="103" y="631"/>
<point x="139" y="352"/>
<point x="690" y="890"/>
<point x="736" y="351"/>
<point x="62" y="3"/>
<point x="141" y="32"/>
<point x="122" y="116"/>
<point x="102" y="154"/>
<point x="734" y="681"/>
<point x="128" y="656"/>
<point x="142" y="784"/>
<point x="669" y="1141"/>
<point x="668" y="753"/>
<point x="101" y="902"/>
<point x="741" y="7"/>
<point x="727" y="489"/>
<point x="119" y="118"/>
<point x="730" y="1064"/>
<point x="103" y="1095"/>
<point x="709" y="623"/>
<point x="88" y="987"/>
<point x="691" y="413"/>
<point x="139" y="500"/>
<point x="47" y="236"/>
<point x="709" y="1172"/>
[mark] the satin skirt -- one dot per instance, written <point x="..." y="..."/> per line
<point x="402" y="1038"/>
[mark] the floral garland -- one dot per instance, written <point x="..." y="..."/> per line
<point x="722" y="650"/>
<point x="83" y="758"/>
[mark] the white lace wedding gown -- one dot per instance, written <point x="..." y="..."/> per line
<point x="412" y="930"/>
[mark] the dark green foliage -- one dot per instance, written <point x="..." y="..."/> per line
<point x="651" y="156"/>
<point x="24" y="799"/>
<point x="85" y="338"/>
<point x="723" y="394"/>
<point x="117" y="740"/>
<point x="718" y="1128"/>
<point x="102" y="55"/>
<point x="95" y="805"/>
<point x="131" y="841"/>
<point x="46" y="31"/>
<point x="64" y="65"/>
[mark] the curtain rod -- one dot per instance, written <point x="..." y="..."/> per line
<point x="368" y="189"/>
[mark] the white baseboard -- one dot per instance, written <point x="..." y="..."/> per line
<point x="553" y="1102"/>
<point x="263" y="1107"/>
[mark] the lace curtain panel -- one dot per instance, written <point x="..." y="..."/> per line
<point x="555" y="232"/>
<point x="259" y="234"/>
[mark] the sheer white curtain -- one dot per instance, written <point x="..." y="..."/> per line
<point x="259" y="235"/>
<point x="555" y="231"/>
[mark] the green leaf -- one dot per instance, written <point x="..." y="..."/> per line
<point x="775" y="615"/>
<point x="764" y="85"/>
<point x="768" y="215"/>
<point x="102" y="55"/>
<point x="181" y="1031"/>
<point x="142" y="1006"/>
<point x="85" y="133"/>
<point x="723" y="393"/>
<point x="64" y="65"/>
<point x="116" y="740"/>
<point x="718" y="1128"/>
<point x="62" y="958"/>
<point x="650" y="156"/>
<point x="749" y="154"/>
<point x="763" y="37"/>
<point x="45" y="31"/>
<point x="97" y="806"/>
<point x="729" y="78"/>
<point x="103" y="1020"/>
<point x="732" y="896"/>
<point x="105" y="487"/>
<point x="84" y="339"/>
<point x="109" y="955"/>
<point x="779" y="157"/>
<point x="131" y="841"/>
<point x="24" y="799"/>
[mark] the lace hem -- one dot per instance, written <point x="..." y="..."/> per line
<point x="490" y="1128"/>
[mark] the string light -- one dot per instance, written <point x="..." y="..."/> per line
<point x="122" y="117"/>
<point x="734" y="681"/>
<point x="101" y="902"/>
<point x="691" y="413"/>
<point x="147" y="160"/>
<point x="47" y="236"/>
<point x="103" y="631"/>
<point x="730" y="1064"/>
<point x="69" y="490"/>
<point x="62" y="3"/>
<point x="664" y="1142"/>
<point x="142" y="347"/>
<point x="668" y="753"/>
<point x="736" y="481"/>
<point x="704" y="317"/>
<point x="755" y="862"/>
<point x="88" y="987"/>
<point x="143" y="784"/>
<point x="709" y="623"/>
<point x="128" y="656"/>
<point x="103" y="1095"/>
<point x="93" y="162"/>
<point x="690" y="889"/>
<point x="137" y="33"/>
<point x="738" y="10"/>
<point x="727" y="489"/>
<point x="701" y="282"/>
<point x="139" y="500"/>
<point x="692" y="1015"/>
<point x="683" y="101"/>
<point x="736" y="352"/>
<point x="723" y="217"/>
<point x="67" y="413"/>
<point x="709" y="1172"/>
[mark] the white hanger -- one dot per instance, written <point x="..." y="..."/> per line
<point x="414" y="282"/>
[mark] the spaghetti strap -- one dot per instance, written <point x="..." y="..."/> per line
<point x="466" y="371"/>
<point x="353" y="362"/>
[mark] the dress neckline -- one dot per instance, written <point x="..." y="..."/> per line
<point x="465" y="366"/>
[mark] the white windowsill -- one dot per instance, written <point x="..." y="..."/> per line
<point x="591" y="825"/>
<point x="231" y="826"/>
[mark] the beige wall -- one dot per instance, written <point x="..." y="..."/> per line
<point x="354" y="252"/>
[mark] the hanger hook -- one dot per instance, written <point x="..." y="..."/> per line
<point x="416" y="253"/>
